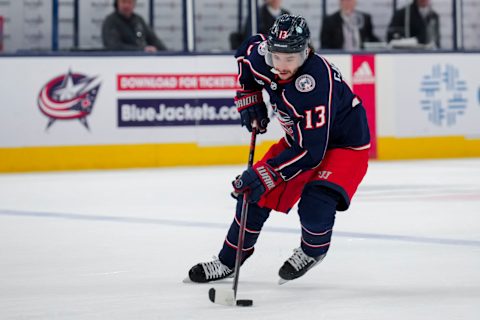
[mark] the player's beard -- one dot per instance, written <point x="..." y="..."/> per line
<point x="285" y="74"/>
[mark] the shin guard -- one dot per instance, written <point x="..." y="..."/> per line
<point x="255" y="219"/>
<point x="317" y="210"/>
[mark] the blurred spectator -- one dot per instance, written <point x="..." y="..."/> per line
<point x="126" y="30"/>
<point x="347" y="28"/>
<point x="267" y="14"/>
<point x="416" y="20"/>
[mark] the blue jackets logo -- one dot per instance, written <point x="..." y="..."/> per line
<point x="69" y="96"/>
<point x="444" y="95"/>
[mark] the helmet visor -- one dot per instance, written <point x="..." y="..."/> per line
<point x="272" y="58"/>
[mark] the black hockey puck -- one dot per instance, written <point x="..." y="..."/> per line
<point x="244" y="303"/>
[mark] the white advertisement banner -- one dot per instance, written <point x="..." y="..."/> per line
<point x="80" y="101"/>
<point x="437" y="95"/>
<point x="67" y="101"/>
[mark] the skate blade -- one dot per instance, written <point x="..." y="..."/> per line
<point x="187" y="280"/>
<point x="282" y="281"/>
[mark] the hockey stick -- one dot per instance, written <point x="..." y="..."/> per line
<point x="229" y="297"/>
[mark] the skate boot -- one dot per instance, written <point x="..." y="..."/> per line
<point x="209" y="271"/>
<point x="297" y="265"/>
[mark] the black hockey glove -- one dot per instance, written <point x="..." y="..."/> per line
<point x="251" y="107"/>
<point x="258" y="180"/>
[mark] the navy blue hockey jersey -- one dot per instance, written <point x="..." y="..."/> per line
<point x="316" y="108"/>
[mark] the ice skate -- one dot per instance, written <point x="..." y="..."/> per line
<point x="209" y="271"/>
<point x="297" y="265"/>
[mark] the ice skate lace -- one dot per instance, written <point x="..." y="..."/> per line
<point x="299" y="259"/>
<point x="215" y="269"/>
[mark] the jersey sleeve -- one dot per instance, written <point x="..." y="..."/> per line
<point x="246" y="76"/>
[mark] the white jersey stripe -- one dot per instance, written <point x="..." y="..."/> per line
<point x="283" y="165"/>
<point x="330" y="91"/>
<point x="300" y="136"/>
<point x="291" y="177"/>
<point x="240" y="71"/>
<point x="367" y="146"/>
<point x="256" y="73"/>
<point x="250" y="47"/>
<point x="290" y="105"/>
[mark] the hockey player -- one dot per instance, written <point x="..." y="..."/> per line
<point x="321" y="160"/>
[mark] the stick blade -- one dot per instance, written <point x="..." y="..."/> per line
<point x="224" y="297"/>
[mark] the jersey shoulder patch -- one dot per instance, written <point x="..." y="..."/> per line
<point x="246" y="46"/>
<point x="305" y="83"/>
<point x="262" y="48"/>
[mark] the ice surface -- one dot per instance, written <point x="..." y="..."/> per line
<point x="117" y="245"/>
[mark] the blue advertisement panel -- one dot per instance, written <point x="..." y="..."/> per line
<point x="176" y="112"/>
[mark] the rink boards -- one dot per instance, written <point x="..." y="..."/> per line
<point x="85" y="112"/>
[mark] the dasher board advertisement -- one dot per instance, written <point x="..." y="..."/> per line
<point x="437" y="95"/>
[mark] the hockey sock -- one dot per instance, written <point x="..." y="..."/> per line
<point x="255" y="219"/>
<point x="317" y="210"/>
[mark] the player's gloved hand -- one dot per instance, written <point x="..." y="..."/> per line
<point x="258" y="180"/>
<point x="252" y="109"/>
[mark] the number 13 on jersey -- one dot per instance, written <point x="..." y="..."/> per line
<point x="310" y="123"/>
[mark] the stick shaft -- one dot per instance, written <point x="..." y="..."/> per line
<point x="243" y="217"/>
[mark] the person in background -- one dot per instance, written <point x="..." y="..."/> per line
<point x="417" y="20"/>
<point x="347" y="28"/>
<point x="267" y="14"/>
<point x="126" y="30"/>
